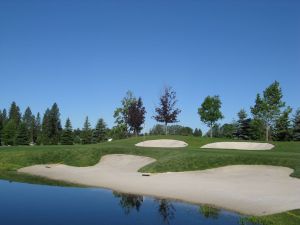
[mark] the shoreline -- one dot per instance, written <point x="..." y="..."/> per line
<point x="249" y="190"/>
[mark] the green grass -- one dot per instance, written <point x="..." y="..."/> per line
<point x="190" y="158"/>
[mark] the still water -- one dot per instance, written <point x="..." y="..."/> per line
<point x="27" y="204"/>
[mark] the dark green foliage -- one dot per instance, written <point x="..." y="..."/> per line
<point x="37" y="130"/>
<point x="86" y="133"/>
<point x="1" y="126"/>
<point x="9" y="132"/>
<point x="136" y="116"/>
<point x="209" y="111"/>
<point x="157" y="129"/>
<point x="228" y="130"/>
<point x="14" y="113"/>
<point x="118" y="132"/>
<point x="243" y="131"/>
<point x="282" y="130"/>
<point x="167" y="111"/>
<point x="28" y="120"/>
<point x="267" y="108"/>
<point x="121" y="113"/>
<point x="67" y="134"/>
<point x="51" y="126"/>
<point x="296" y="126"/>
<point x="197" y="132"/>
<point x="257" y="129"/>
<point x="46" y="128"/>
<point x="100" y="133"/>
<point x="209" y="211"/>
<point x="22" y="137"/>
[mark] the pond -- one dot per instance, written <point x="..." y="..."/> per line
<point x="29" y="204"/>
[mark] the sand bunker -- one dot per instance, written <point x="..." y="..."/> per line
<point x="162" y="143"/>
<point x="239" y="145"/>
<point x="253" y="190"/>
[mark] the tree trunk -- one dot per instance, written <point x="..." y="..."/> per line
<point x="211" y="131"/>
<point x="166" y="128"/>
<point x="267" y="133"/>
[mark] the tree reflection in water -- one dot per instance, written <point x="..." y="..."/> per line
<point x="166" y="210"/>
<point x="209" y="211"/>
<point x="129" y="201"/>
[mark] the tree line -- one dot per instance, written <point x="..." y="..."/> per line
<point x="270" y="120"/>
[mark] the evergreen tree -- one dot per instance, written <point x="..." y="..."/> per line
<point x="243" y="126"/>
<point x="67" y="135"/>
<point x="9" y="132"/>
<point x="37" y="131"/>
<point x="257" y="129"/>
<point x="55" y="125"/>
<point x="296" y="126"/>
<point x="100" y="132"/>
<point x="228" y="130"/>
<point x="1" y="126"/>
<point x="209" y="111"/>
<point x="14" y="113"/>
<point x="197" y="132"/>
<point x="268" y="107"/>
<point x="28" y="120"/>
<point x="86" y="134"/>
<point x="4" y="116"/>
<point x="46" y="128"/>
<point x="167" y="112"/>
<point x="136" y="116"/>
<point x="22" y="135"/>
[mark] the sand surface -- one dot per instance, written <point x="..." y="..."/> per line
<point x="162" y="143"/>
<point x="251" y="190"/>
<point x="239" y="145"/>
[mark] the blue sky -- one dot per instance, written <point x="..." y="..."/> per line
<point x="85" y="55"/>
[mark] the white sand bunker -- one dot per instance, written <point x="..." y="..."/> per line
<point x="162" y="143"/>
<point x="239" y="145"/>
<point x="253" y="190"/>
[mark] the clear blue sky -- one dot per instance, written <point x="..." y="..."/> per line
<point x="85" y="54"/>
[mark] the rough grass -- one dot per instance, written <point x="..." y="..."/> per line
<point x="189" y="158"/>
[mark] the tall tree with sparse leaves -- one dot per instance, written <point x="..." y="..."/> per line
<point x="167" y="112"/>
<point x="268" y="107"/>
<point x="210" y="111"/>
<point x="136" y="116"/>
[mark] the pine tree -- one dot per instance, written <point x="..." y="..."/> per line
<point x="1" y="126"/>
<point x="100" y="132"/>
<point x="22" y="135"/>
<point x="28" y="120"/>
<point x="9" y="132"/>
<point x="243" y="126"/>
<point x="55" y="125"/>
<point x="167" y="112"/>
<point x="86" y="134"/>
<point x="67" y="135"/>
<point x="197" y="132"/>
<point x="37" y="133"/>
<point x="14" y="113"/>
<point x="296" y="126"/>
<point x="4" y="115"/>
<point x="51" y="126"/>
<point x="46" y="128"/>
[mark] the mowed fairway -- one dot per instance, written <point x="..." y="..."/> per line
<point x="191" y="158"/>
